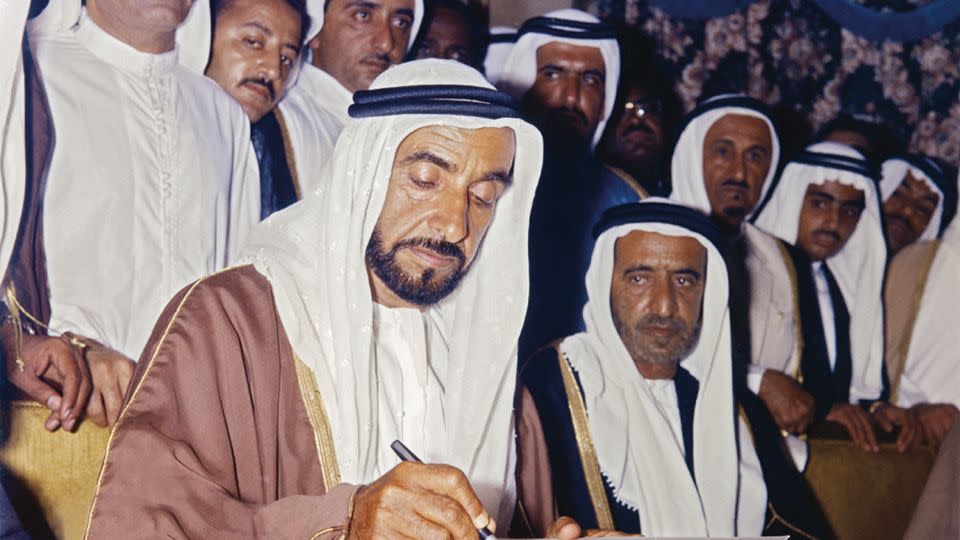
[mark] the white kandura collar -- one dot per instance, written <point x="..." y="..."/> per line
<point x="121" y="55"/>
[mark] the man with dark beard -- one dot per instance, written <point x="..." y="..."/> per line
<point x="631" y="425"/>
<point x="565" y="67"/>
<point x="267" y="401"/>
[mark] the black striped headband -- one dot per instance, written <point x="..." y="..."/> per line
<point x="554" y="26"/>
<point x="443" y="99"/>
<point x="832" y="161"/>
<point x="660" y="212"/>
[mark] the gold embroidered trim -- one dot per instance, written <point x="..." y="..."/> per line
<point x="326" y="531"/>
<point x="630" y="181"/>
<point x="792" y="527"/>
<point x="136" y="391"/>
<point x="904" y="346"/>
<point x="588" y="457"/>
<point x="797" y="323"/>
<point x="288" y="153"/>
<point x="322" y="435"/>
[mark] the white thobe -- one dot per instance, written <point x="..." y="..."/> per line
<point x="930" y="373"/>
<point x="314" y="112"/>
<point x="665" y="394"/>
<point x="153" y="183"/>
<point x="13" y="168"/>
<point x="410" y="367"/>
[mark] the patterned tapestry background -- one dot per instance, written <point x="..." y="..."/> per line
<point x="794" y="54"/>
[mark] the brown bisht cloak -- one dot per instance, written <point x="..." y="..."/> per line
<point x="223" y="433"/>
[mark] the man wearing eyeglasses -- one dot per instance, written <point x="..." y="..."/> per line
<point x="635" y="143"/>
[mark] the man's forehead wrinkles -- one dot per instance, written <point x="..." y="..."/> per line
<point x="259" y="26"/>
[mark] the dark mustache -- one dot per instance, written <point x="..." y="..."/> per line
<point x="901" y="219"/>
<point x="834" y="234"/>
<point x="676" y="325"/>
<point x="440" y="247"/>
<point x="377" y="58"/>
<point x="735" y="183"/>
<point x="638" y="126"/>
<point x="570" y="111"/>
<point x="263" y="83"/>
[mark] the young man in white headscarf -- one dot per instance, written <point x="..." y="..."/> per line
<point x="826" y="205"/>
<point x="564" y="68"/>
<point x="350" y="44"/>
<point x="632" y="425"/>
<point x="267" y="400"/>
<point x="152" y="183"/>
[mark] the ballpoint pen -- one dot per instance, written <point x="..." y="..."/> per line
<point x="405" y="454"/>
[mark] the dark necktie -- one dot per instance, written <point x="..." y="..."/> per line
<point x="277" y="190"/>
<point x="843" y="367"/>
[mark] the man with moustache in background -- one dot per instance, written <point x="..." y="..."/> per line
<point x="564" y="68"/>
<point x="350" y="43"/>
<point x="255" y="55"/>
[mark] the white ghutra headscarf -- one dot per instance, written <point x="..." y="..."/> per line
<point x="860" y="265"/>
<point x="687" y="163"/>
<point x="502" y="40"/>
<point x="635" y="446"/>
<point x="895" y="170"/>
<point x="313" y="255"/>
<point x="520" y="69"/>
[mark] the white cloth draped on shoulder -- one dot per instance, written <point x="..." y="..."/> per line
<point x="313" y="255"/>
<point x="635" y="445"/>
<point x="930" y="373"/>
<point x="687" y="162"/>
<point x="520" y="69"/>
<point x="860" y="265"/>
<point x="13" y="166"/>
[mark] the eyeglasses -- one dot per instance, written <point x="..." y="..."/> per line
<point x="642" y="107"/>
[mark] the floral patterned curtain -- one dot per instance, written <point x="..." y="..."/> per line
<point x="793" y="54"/>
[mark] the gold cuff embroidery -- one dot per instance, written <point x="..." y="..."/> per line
<point x="323" y="436"/>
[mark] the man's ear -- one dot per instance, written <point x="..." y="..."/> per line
<point x="314" y="42"/>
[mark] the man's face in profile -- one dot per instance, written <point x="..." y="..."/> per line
<point x="908" y="211"/>
<point x="737" y="154"/>
<point x="443" y="193"/>
<point x="448" y="37"/>
<point x="360" y="39"/>
<point x="828" y="218"/>
<point x="256" y="44"/>
<point x="567" y="97"/>
<point x="656" y="296"/>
